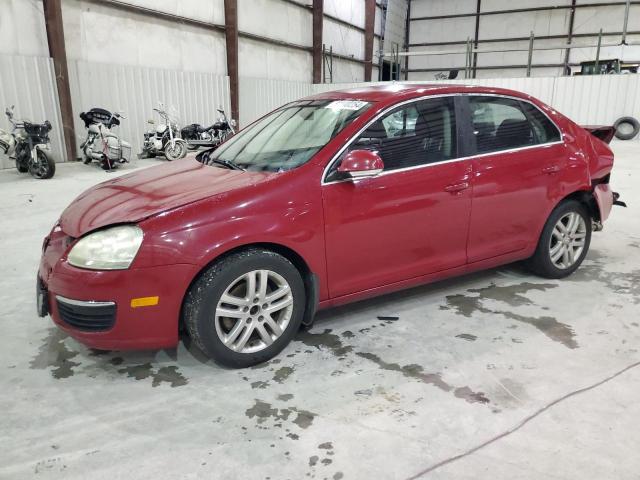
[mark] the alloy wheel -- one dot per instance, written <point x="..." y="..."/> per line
<point x="567" y="240"/>
<point x="254" y="311"/>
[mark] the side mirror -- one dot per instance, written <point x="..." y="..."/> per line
<point x="361" y="164"/>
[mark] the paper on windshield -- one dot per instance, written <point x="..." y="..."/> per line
<point x="346" y="105"/>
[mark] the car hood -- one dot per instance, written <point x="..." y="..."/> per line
<point x="151" y="191"/>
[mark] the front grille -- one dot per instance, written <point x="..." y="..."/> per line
<point x="87" y="316"/>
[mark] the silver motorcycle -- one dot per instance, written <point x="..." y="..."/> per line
<point x="102" y="144"/>
<point x="28" y="144"/>
<point x="164" y="139"/>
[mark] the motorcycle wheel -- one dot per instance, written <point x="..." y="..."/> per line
<point x="22" y="158"/>
<point x="175" y="152"/>
<point x="22" y="168"/>
<point x="45" y="168"/>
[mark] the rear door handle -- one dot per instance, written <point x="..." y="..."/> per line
<point x="551" y="169"/>
<point x="456" y="187"/>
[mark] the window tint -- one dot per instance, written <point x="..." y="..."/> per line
<point x="543" y="129"/>
<point x="499" y="124"/>
<point x="419" y="133"/>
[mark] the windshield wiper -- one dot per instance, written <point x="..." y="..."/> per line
<point x="226" y="163"/>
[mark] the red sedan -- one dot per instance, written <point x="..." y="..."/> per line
<point x="327" y="200"/>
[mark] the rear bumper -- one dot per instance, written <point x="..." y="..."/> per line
<point x="95" y="307"/>
<point x="604" y="198"/>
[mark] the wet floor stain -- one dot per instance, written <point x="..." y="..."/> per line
<point x="417" y="372"/>
<point x="467" y="336"/>
<point x="263" y="411"/>
<point x="56" y="355"/>
<point x="596" y="269"/>
<point x="513" y="296"/>
<point x="167" y="374"/>
<point x="325" y="341"/>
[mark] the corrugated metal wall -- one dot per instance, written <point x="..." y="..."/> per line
<point x="28" y="82"/>
<point x="597" y="99"/>
<point x="193" y="96"/>
<point x="260" y="95"/>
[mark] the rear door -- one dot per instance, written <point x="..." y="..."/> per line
<point x="410" y="220"/>
<point x="518" y="158"/>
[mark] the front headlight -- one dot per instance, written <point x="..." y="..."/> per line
<point x="109" y="249"/>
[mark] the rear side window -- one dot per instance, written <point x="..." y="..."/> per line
<point x="543" y="129"/>
<point x="504" y="123"/>
<point x="499" y="124"/>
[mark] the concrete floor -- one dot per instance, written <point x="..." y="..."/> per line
<point x="494" y="375"/>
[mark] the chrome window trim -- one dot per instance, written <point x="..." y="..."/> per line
<point x="334" y="159"/>
<point x="83" y="303"/>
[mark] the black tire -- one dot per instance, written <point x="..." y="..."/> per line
<point x="22" y="168"/>
<point x="200" y="304"/>
<point x="541" y="263"/>
<point x="46" y="167"/>
<point x="635" y="128"/>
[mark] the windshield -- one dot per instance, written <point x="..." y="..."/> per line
<point x="288" y="137"/>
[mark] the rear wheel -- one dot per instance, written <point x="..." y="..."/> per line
<point x="44" y="168"/>
<point x="564" y="241"/>
<point x="245" y="308"/>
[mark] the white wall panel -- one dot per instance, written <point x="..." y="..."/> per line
<point x="194" y="96"/>
<point x="28" y="82"/>
<point x="431" y="8"/>
<point x="275" y="19"/>
<point x="97" y="33"/>
<point x="349" y="11"/>
<point x="344" y="40"/>
<point x="22" y="28"/>
<point x="257" y="59"/>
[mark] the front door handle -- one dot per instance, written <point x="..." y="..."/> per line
<point x="551" y="169"/>
<point x="456" y="187"/>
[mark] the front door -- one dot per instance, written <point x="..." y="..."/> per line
<point x="412" y="219"/>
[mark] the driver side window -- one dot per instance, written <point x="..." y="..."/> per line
<point x="416" y="134"/>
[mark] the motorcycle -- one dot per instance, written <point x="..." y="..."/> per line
<point x="26" y="144"/>
<point x="198" y="136"/>
<point x="101" y="143"/>
<point x="164" y="139"/>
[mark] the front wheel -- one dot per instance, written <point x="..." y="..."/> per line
<point x="564" y="241"/>
<point x="245" y="308"/>
<point x="44" y="168"/>
<point x="175" y="151"/>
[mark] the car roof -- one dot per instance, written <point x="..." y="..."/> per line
<point x="396" y="91"/>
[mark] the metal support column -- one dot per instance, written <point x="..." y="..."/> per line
<point x="530" y="54"/>
<point x="626" y="22"/>
<point x="231" y="37"/>
<point x="597" y="65"/>
<point x="369" y="23"/>
<point x="318" y="8"/>
<point x="476" y="38"/>
<point x="567" y="52"/>
<point x="57" y="51"/>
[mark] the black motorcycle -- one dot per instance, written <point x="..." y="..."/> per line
<point x="27" y="144"/>
<point x="198" y="136"/>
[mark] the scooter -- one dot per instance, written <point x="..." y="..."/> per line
<point x="102" y="144"/>
<point x="164" y="139"/>
<point x="198" y="136"/>
<point x="28" y="144"/>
